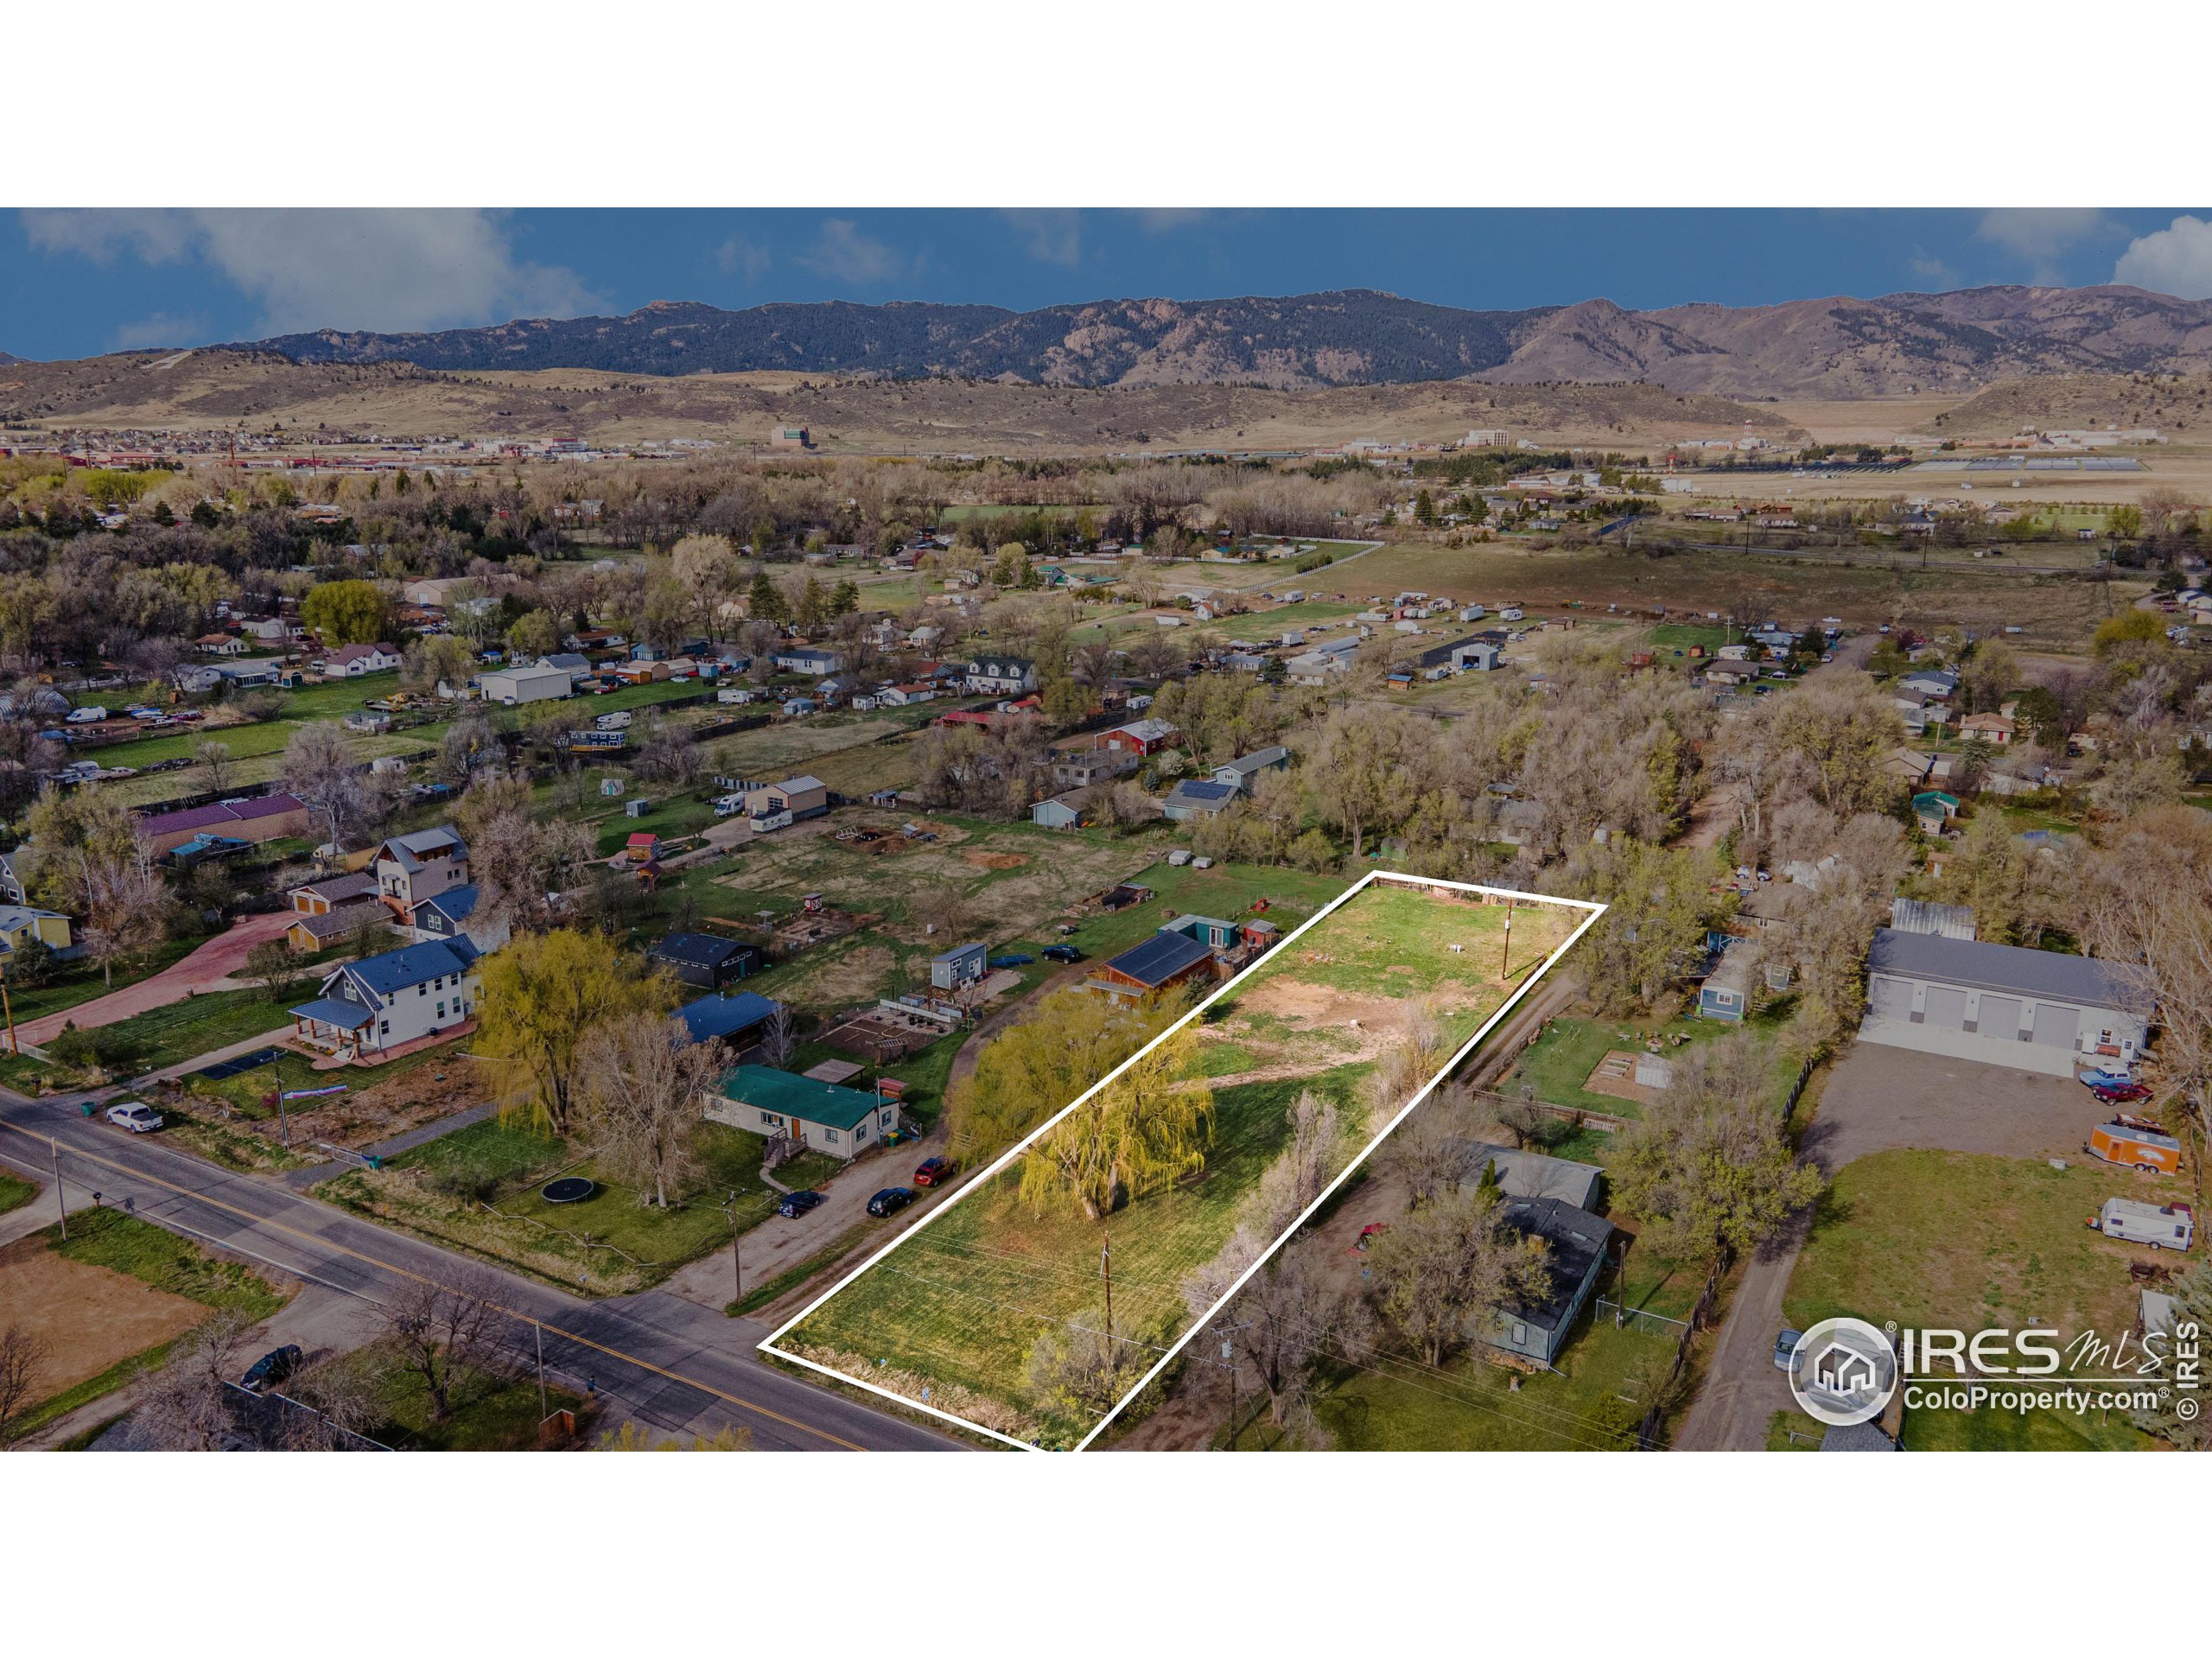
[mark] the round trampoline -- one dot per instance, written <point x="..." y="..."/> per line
<point x="569" y="1189"/>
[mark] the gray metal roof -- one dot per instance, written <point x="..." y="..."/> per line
<point x="1988" y="967"/>
<point x="1532" y="1174"/>
<point x="1923" y="916"/>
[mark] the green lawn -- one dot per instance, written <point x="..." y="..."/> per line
<point x="21" y="1073"/>
<point x="1959" y="1240"/>
<point x="109" y="1238"/>
<point x="1270" y="625"/>
<point x="1560" y="1061"/>
<point x="14" y="1190"/>
<point x="1792" y="1430"/>
<point x="1685" y="634"/>
<point x="198" y="1025"/>
<point x="1395" y="1405"/>
<point x="964" y="1301"/>
<point x="478" y="1189"/>
<point x="77" y="984"/>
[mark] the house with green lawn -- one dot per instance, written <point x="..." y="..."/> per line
<point x="816" y="1116"/>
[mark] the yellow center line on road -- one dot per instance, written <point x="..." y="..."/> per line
<point x="322" y="1242"/>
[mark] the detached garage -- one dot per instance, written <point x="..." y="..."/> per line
<point x="515" y="685"/>
<point x="2033" y="1010"/>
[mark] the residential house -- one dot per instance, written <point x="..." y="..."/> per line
<point x="738" y="1018"/>
<point x="11" y="878"/>
<point x="1242" y="773"/>
<point x="453" y="914"/>
<point x="1999" y="1004"/>
<point x="1727" y="993"/>
<point x="21" y="923"/>
<point x="1932" y="684"/>
<point x="1146" y="736"/>
<point x="1990" y="728"/>
<point x="261" y="818"/>
<point x="539" y="683"/>
<point x="1081" y="768"/>
<point x="1005" y="677"/>
<point x="913" y="691"/>
<point x="816" y="1116"/>
<point x="1058" y="812"/>
<point x="575" y="664"/>
<point x="1160" y="963"/>
<point x="1198" y="798"/>
<point x="1933" y="808"/>
<point x="961" y="966"/>
<point x="313" y="931"/>
<point x="707" y="960"/>
<point x="1530" y="1174"/>
<point x="350" y="662"/>
<point x="1578" y="1245"/>
<point x="1316" y="665"/>
<point x="371" y="1007"/>
<point x="817" y="660"/>
<point x="413" y="867"/>
<point x="774" y="806"/>
<point x="220" y="645"/>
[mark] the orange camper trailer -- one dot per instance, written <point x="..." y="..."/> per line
<point x="2137" y="1145"/>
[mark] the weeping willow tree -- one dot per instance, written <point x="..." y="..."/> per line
<point x="1151" y="1126"/>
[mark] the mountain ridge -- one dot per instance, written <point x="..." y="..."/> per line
<point x="1836" y="346"/>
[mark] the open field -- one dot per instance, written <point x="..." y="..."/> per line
<point x="1965" y="1241"/>
<point x="113" y="1297"/>
<point x="2056" y="612"/>
<point x="965" y="1299"/>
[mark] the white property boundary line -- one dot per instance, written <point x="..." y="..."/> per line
<point x="767" y="1344"/>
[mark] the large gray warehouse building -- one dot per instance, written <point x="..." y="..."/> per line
<point x="2033" y="1010"/>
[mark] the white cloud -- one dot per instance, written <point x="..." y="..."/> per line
<point x="1053" y="234"/>
<point x="1157" y="219"/>
<point x="394" y="270"/>
<point x="161" y="329"/>
<point x="2040" y="235"/>
<point x="2176" y="260"/>
<point x="742" y="257"/>
<point x="845" y="254"/>
<point x="1939" y="276"/>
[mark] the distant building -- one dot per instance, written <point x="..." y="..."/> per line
<point x="2000" y="1004"/>
<point x="962" y="965"/>
<point x="537" y="684"/>
<point x="707" y="960"/>
<point x="262" y="817"/>
<point x="350" y="662"/>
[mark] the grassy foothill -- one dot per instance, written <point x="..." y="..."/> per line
<point x="1964" y="1240"/>
<point x="964" y="1302"/>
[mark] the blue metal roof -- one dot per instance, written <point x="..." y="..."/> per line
<point x="412" y="964"/>
<point x="455" y="906"/>
<point x="1160" y="958"/>
<point x="725" y="1016"/>
<point x="346" y="1016"/>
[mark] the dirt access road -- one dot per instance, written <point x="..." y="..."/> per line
<point x="213" y="967"/>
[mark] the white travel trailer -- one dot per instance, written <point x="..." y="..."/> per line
<point x="2163" y="1227"/>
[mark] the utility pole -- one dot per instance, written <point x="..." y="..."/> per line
<point x="1506" y="955"/>
<point x="540" y="1330"/>
<point x="60" y="1202"/>
<point x="736" y="1263"/>
<point x="1106" y="1272"/>
<point x="7" y="1010"/>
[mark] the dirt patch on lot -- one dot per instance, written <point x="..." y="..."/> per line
<point x="91" y="1318"/>
<point x="995" y="860"/>
<point x="434" y="1090"/>
<point x="1304" y="1004"/>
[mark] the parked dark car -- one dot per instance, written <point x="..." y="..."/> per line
<point x="934" y="1172"/>
<point x="798" y="1204"/>
<point x="1062" y="953"/>
<point x="890" y="1201"/>
<point x="272" y="1368"/>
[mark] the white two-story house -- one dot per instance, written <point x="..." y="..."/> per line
<point x="371" y="1007"/>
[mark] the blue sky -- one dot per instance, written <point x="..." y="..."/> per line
<point x="76" y="282"/>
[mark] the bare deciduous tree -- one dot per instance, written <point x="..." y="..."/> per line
<point x="23" y="1361"/>
<point x="641" y="1080"/>
<point x="449" y="1337"/>
<point x="186" y="1406"/>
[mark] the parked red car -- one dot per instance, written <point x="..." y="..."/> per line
<point x="2120" y="1094"/>
<point x="934" y="1172"/>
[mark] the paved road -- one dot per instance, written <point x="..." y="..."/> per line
<point x="667" y="1361"/>
<point x="213" y="967"/>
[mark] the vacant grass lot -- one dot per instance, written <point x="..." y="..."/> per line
<point x="1560" y="1061"/>
<point x="1959" y="1240"/>
<point x="965" y="1299"/>
<point x="198" y="1025"/>
<point x="478" y="1190"/>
